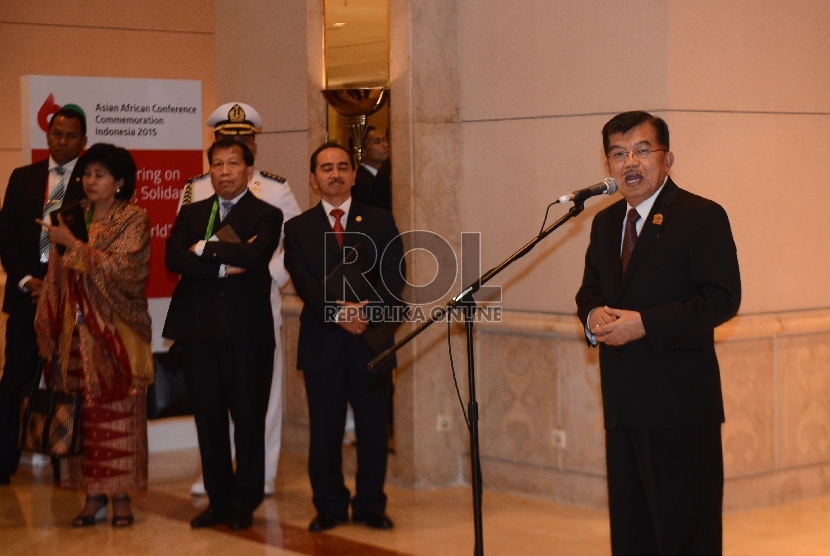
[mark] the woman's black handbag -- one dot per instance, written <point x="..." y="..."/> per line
<point x="168" y="395"/>
<point x="50" y="421"/>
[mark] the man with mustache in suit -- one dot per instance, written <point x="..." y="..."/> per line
<point x="334" y="346"/>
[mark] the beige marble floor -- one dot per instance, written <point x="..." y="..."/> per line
<point x="35" y="516"/>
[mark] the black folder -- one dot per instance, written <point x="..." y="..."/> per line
<point x="73" y="217"/>
<point x="354" y="280"/>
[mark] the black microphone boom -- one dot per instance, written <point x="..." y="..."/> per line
<point x="608" y="186"/>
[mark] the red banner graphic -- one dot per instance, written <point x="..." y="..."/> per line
<point x="160" y="177"/>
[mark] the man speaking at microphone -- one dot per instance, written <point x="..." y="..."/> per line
<point x="661" y="272"/>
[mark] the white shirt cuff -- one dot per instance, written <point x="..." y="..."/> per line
<point x="22" y="284"/>
<point x="588" y="334"/>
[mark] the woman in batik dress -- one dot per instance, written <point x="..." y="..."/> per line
<point x="93" y="330"/>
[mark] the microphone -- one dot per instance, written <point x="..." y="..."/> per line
<point x="606" y="187"/>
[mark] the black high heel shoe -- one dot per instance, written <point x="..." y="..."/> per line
<point x="121" y="519"/>
<point x="100" y="514"/>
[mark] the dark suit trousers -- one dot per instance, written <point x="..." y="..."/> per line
<point x="233" y="377"/>
<point x="665" y="490"/>
<point x="18" y="372"/>
<point x="328" y="393"/>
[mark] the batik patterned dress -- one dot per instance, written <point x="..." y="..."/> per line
<point x="93" y="329"/>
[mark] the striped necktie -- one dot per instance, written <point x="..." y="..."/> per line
<point x="54" y="203"/>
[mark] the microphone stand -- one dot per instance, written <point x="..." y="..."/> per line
<point x="465" y="302"/>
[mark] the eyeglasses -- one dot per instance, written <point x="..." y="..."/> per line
<point x="642" y="153"/>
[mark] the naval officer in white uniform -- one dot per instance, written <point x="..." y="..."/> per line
<point x="241" y="121"/>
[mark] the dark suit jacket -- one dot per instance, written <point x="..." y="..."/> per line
<point x="20" y="235"/>
<point x="684" y="280"/>
<point x="310" y="255"/>
<point x="374" y="190"/>
<point x="237" y="308"/>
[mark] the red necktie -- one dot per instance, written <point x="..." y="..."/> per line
<point x="338" y="227"/>
<point x="630" y="237"/>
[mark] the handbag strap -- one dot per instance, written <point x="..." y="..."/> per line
<point x="27" y="414"/>
<point x="35" y="386"/>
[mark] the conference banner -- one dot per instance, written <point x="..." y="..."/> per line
<point x="159" y="121"/>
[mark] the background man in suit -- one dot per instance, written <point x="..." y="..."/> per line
<point x="661" y="272"/>
<point x="241" y="121"/>
<point x="220" y="311"/>
<point x="332" y="349"/>
<point x="24" y="251"/>
<point x="373" y="184"/>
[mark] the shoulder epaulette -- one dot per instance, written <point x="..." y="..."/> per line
<point x="194" y="178"/>
<point x="272" y="176"/>
<point x="187" y="194"/>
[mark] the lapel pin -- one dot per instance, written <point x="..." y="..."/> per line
<point x="658" y="219"/>
<point x="358" y="219"/>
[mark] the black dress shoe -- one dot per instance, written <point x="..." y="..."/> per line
<point x="208" y="518"/>
<point x="324" y="521"/>
<point x="5" y="478"/>
<point x="240" y="519"/>
<point x="376" y="521"/>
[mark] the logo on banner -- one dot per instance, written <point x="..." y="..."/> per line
<point x="157" y="120"/>
<point x="49" y="107"/>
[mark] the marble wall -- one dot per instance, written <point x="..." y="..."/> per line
<point x="497" y="109"/>
<point x="742" y="85"/>
<point x="539" y="375"/>
<point x="267" y="69"/>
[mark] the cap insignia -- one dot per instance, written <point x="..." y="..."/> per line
<point x="236" y="114"/>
